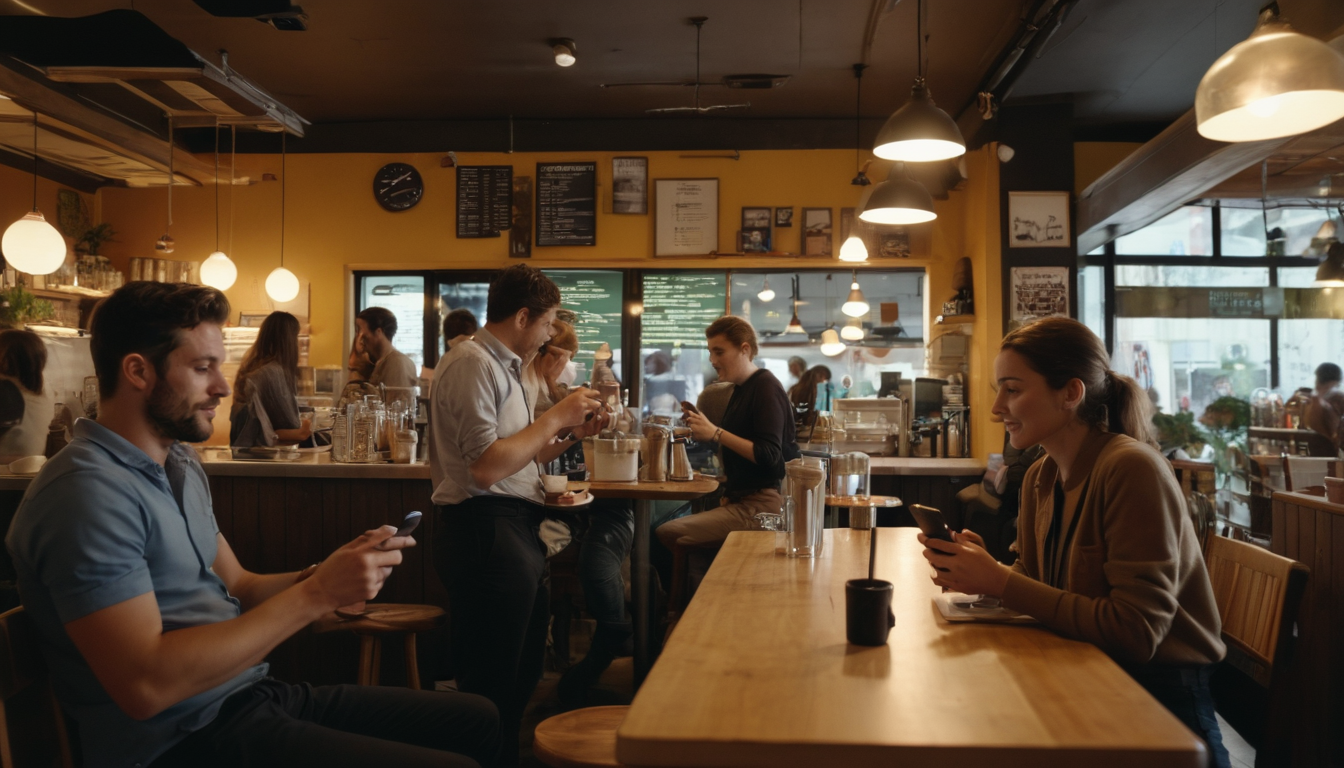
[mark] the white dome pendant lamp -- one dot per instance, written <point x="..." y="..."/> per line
<point x="31" y="244"/>
<point x="1277" y="82"/>
<point x="218" y="270"/>
<point x="898" y="200"/>
<point x="853" y="330"/>
<point x="855" y="304"/>
<point x="919" y="132"/>
<point x="282" y="285"/>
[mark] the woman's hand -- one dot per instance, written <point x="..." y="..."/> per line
<point x="964" y="565"/>
<point x="702" y="429"/>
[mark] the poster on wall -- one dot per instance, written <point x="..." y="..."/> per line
<point x="566" y="203"/>
<point x="755" y="234"/>
<point x="1038" y="219"/>
<point x="685" y="217"/>
<point x="630" y="185"/>
<point x="1039" y="292"/>
<point x="817" y="231"/>
<point x="484" y="200"/>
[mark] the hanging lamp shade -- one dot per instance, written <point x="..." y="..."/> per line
<point x="282" y="285"/>
<point x="218" y="271"/>
<point x="767" y="293"/>
<point x="831" y="345"/>
<point x="898" y="200"/>
<point x="32" y="245"/>
<point x="1278" y="82"/>
<point x="853" y="249"/>
<point x="919" y="132"/>
<point x="794" y="325"/>
<point x="856" y="305"/>
<point x="1331" y="272"/>
<point x="853" y="330"/>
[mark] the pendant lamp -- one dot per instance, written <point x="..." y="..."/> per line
<point x="1331" y="272"/>
<point x="31" y="244"/>
<point x="853" y="249"/>
<point x="165" y="244"/>
<point x="856" y="305"/>
<point x="853" y="330"/>
<point x="861" y="179"/>
<point x="282" y="285"/>
<point x="919" y="132"/>
<point x="831" y="345"/>
<point x="795" y="326"/>
<point x="218" y="270"/>
<point x="767" y="293"/>
<point x="1278" y="82"/>
<point x="898" y="200"/>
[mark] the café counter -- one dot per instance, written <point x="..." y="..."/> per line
<point x="284" y="516"/>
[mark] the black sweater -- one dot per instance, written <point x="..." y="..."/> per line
<point x="758" y="411"/>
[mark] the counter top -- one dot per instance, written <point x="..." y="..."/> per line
<point x="311" y="465"/>
<point x="895" y="465"/>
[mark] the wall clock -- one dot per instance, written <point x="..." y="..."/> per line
<point x="397" y="186"/>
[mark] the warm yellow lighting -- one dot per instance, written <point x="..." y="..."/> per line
<point x="564" y="52"/>
<point x="855" y="305"/>
<point x="853" y="330"/>
<point x="853" y="249"/>
<point x="898" y="200"/>
<point x="831" y="345"/>
<point x="282" y="285"/>
<point x="1278" y="82"/>
<point x="32" y="245"/>
<point x="767" y="293"/>
<point x="218" y="271"/>
<point x="919" y="132"/>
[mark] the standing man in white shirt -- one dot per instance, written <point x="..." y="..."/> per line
<point x="377" y="326"/>
<point x="485" y="448"/>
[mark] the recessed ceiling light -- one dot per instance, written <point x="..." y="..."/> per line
<point x="563" y="48"/>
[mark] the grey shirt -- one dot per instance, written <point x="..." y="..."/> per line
<point x="269" y="389"/>
<point x="395" y="369"/>
<point x="103" y="523"/>
<point x="476" y="398"/>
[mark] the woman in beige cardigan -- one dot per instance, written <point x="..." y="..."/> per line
<point x="1107" y="552"/>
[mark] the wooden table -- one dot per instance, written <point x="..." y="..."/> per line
<point x="758" y="673"/>
<point x="644" y="494"/>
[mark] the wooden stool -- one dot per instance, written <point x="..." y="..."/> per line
<point x="377" y="620"/>
<point x="583" y="738"/>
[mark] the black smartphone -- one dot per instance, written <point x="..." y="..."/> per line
<point x="409" y="523"/>
<point x="687" y="405"/>
<point x="931" y="522"/>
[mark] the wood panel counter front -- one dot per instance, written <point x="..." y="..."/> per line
<point x="758" y="673"/>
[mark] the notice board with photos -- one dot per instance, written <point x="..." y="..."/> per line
<point x="566" y="203"/>
<point x="484" y="200"/>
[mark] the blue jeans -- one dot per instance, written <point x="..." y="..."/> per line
<point x="1184" y="691"/>
<point x="605" y="545"/>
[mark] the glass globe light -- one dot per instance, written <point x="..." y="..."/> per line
<point x="32" y="245"/>
<point x="282" y="285"/>
<point x="218" y="271"/>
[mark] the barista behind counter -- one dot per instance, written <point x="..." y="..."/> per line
<point x="392" y="368"/>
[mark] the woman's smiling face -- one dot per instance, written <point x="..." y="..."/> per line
<point x="1031" y="409"/>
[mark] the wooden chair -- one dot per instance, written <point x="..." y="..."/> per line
<point x="32" y="725"/>
<point x="1302" y="473"/>
<point x="1257" y="593"/>
<point x="581" y="738"/>
<point x="382" y="619"/>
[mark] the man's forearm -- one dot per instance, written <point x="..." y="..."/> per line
<point x="508" y="455"/>
<point x="255" y="589"/>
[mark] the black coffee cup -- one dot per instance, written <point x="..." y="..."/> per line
<point x="868" y="616"/>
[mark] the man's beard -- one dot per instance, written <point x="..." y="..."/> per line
<point x="174" y="417"/>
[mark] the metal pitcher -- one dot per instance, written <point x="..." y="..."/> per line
<point x="657" y="453"/>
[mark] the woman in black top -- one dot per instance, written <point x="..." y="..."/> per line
<point x="756" y="435"/>
<point x="265" y="405"/>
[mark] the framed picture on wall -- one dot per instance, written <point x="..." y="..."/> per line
<point x="685" y="217"/>
<point x="630" y="185"/>
<point x="784" y="217"/>
<point x="1039" y="292"/>
<point x="1038" y="220"/>
<point x="817" y="231"/>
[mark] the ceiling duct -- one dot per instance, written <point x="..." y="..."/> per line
<point x="278" y="13"/>
<point x="124" y="48"/>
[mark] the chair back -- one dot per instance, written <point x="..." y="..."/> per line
<point x="32" y="725"/>
<point x="1257" y="593"/>
<point x="1303" y="472"/>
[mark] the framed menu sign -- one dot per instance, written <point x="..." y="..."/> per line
<point x="566" y="203"/>
<point x="484" y="200"/>
<point x="686" y="217"/>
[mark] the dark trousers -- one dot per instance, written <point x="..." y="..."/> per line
<point x="605" y="545"/>
<point x="277" y="724"/>
<point x="488" y="553"/>
<point x="1184" y="690"/>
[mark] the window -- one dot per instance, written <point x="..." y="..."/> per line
<point x="404" y="295"/>
<point x="674" y="357"/>
<point x="1186" y="231"/>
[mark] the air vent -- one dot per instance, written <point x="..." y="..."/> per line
<point x="759" y="82"/>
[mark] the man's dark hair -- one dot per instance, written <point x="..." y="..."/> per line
<point x="459" y="322"/>
<point x="380" y="318"/>
<point x="1328" y="372"/>
<point x="520" y="287"/>
<point x="148" y="319"/>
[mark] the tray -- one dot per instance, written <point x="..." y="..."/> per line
<point x="264" y="453"/>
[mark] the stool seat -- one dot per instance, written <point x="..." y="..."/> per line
<point x="379" y="619"/>
<point x="583" y="738"/>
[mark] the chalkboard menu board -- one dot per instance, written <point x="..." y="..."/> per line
<point x="566" y="204"/>
<point x="678" y="307"/>
<point x="596" y="297"/>
<point x="484" y="200"/>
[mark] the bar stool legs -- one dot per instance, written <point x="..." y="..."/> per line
<point x="382" y="619"/>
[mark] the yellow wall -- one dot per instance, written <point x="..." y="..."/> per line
<point x="1091" y="159"/>
<point x="334" y="225"/>
<point x="16" y="198"/>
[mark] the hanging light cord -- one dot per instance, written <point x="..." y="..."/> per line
<point x="216" y="186"/>
<point x="284" y="180"/>
<point x="233" y="174"/>
<point x="699" y="25"/>
<point x="171" y="175"/>
<point x="858" y="113"/>
<point x="919" y="40"/>
<point x="34" y="159"/>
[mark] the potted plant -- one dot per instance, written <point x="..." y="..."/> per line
<point x="18" y="307"/>
<point x="1179" y="431"/>
<point x="93" y="238"/>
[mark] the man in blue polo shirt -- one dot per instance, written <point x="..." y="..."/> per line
<point x="155" y="634"/>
